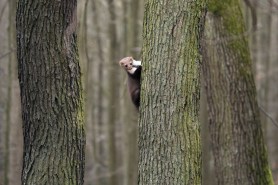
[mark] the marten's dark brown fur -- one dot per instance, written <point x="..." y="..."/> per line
<point x="134" y="76"/>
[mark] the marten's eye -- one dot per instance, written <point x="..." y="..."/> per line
<point x="126" y="65"/>
<point x="130" y="63"/>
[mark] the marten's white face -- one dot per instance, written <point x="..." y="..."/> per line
<point x="129" y="64"/>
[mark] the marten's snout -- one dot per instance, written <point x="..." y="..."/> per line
<point x="126" y="66"/>
<point x="126" y="63"/>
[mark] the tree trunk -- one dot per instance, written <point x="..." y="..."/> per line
<point x="96" y="95"/>
<point x="51" y="92"/>
<point x="132" y="46"/>
<point x="15" y="140"/>
<point x="263" y="63"/>
<point x="8" y="104"/>
<point x="169" y="128"/>
<point x="272" y="76"/>
<point x="234" y="117"/>
<point x="3" y="88"/>
<point x="113" y="99"/>
<point x="208" y="175"/>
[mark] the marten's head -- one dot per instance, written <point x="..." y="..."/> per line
<point x="129" y="64"/>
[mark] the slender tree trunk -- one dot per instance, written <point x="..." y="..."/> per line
<point x="83" y="39"/>
<point x="97" y="95"/>
<point x="3" y="89"/>
<point x="8" y="104"/>
<point x="99" y="125"/>
<point x="264" y="53"/>
<point x="169" y="128"/>
<point x="113" y="107"/>
<point x="208" y="176"/>
<point x="15" y="139"/>
<point x="51" y="92"/>
<point x="272" y="76"/>
<point x="252" y="29"/>
<point x="234" y="117"/>
<point x="132" y="46"/>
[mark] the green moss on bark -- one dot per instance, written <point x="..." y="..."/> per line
<point x="235" y="127"/>
<point x="169" y="128"/>
<point x="51" y="93"/>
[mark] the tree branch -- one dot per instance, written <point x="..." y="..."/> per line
<point x="253" y="14"/>
<point x="6" y="54"/>
<point x="269" y="117"/>
<point x="3" y="9"/>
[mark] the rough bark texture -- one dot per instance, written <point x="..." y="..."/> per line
<point x="51" y="92"/>
<point x="169" y="129"/>
<point x="208" y="175"/>
<point x="236" y="132"/>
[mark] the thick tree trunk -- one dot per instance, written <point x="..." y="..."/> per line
<point x="169" y="129"/>
<point x="51" y="92"/>
<point x="236" y="131"/>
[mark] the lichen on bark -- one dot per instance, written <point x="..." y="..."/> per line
<point x="169" y="128"/>
<point x="51" y="92"/>
<point x="234" y="117"/>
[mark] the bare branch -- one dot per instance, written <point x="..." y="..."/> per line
<point x="269" y="117"/>
<point x="253" y="13"/>
<point x="6" y="54"/>
<point x="3" y="9"/>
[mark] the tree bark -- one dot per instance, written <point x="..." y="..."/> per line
<point x="208" y="175"/>
<point x="169" y="128"/>
<point x="51" y="92"/>
<point x="234" y="117"/>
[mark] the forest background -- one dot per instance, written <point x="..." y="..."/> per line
<point x="106" y="33"/>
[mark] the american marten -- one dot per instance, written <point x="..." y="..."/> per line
<point x="133" y="69"/>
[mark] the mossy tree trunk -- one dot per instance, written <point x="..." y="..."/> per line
<point x="169" y="128"/>
<point x="51" y="92"/>
<point x="234" y="117"/>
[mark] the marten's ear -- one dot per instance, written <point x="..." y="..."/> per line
<point x="121" y="63"/>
